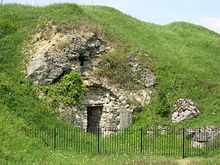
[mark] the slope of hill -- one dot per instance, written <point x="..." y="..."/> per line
<point x="184" y="57"/>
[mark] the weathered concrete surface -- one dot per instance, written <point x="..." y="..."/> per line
<point x="81" y="51"/>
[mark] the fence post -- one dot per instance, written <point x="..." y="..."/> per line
<point x="183" y="147"/>
<point x="141" y="142"/>
<point x="54" y="140"/>
<point x="98" y="140"/>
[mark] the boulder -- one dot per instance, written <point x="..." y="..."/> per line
<point x="196" y="144"/>
<point x="67" y="53"/>
<point x="202" y="136"/>
<point x="150" y="134"/>
<point x="184" y="109"/>
<point x="45" y="68"/>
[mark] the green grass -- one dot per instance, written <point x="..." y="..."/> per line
<point x="127" y="141"/>
<point x="184" y="57"/>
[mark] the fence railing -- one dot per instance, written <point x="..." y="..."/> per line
<point x="172" y="142"/>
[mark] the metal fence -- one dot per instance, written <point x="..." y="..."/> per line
<point x="172" y="142"/>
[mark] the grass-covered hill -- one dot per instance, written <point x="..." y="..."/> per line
<point x="184" y="57"/>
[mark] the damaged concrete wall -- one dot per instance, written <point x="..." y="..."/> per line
<point x="115" y="112"/>
<point x="61" y="53"/>
<point x="80" y="51"/>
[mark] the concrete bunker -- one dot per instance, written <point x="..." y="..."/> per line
<point x="102" y="110"/>
<point x="105" y="105"/>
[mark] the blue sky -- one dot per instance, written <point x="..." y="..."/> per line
<point x="202" y="12"/>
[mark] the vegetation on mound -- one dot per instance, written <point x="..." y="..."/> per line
<point x="6" y="27"/>
<point x="185" y="61"/>
<point x="184" y="57"/>
<point x="69" y="89"/>
<point x="115" y="67"/>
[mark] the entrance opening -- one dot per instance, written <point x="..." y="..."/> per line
<point x="93" y="118"/>
<point x="82" y="64"/>
<point x="81" y="59"/>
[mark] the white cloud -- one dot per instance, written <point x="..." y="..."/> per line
<point x="211" y="23"/>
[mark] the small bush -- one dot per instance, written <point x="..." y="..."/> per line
<point x="69" y="89"/>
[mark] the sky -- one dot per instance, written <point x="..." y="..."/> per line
<point x="200" y="12"/>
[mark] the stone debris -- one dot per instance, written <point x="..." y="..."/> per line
<point x="48" y="64"/>
<point x="150" y="134"/>
<point x="184" y="109"/>
<point x="202" y="136"/>
<point x="146" y="77"/>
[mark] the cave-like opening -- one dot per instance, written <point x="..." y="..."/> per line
<point x="82" y="60"/>
<point x="94" y="114"/>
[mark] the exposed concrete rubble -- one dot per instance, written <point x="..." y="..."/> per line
<point x="184" y="109"/>
<point x="202" y="136"/>
<point x="74" y="51"/>
<point x="198" y="137"/>
<point x="104" y="104"/>
<point x="145" y="76"/>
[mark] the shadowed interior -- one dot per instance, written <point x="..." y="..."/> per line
<point x="93" y="118"/>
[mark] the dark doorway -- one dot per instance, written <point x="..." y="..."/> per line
<point x="93" y="118"/>
<point x="81" y="59"/>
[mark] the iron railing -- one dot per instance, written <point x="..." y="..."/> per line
<point x="172" y="142"/>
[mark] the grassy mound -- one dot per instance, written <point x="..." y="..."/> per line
<point x="184" y="57"/>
